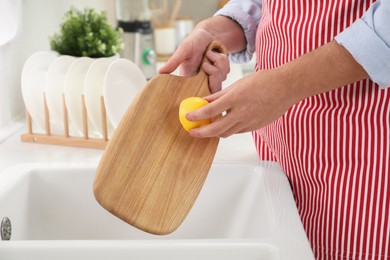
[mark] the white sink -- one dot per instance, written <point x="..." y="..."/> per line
<point x="243" y="212"/>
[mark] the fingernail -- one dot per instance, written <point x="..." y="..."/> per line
<point x="193" y="133"/>
<point x="189" y="116"/>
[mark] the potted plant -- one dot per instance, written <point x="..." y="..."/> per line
<point x="85" y="37"/>
<point x="87" y="33"/>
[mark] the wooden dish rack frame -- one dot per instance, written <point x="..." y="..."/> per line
<point x="66" y="139"/>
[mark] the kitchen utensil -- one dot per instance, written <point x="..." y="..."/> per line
<point x="134" y="17"/>
<point x="175" y="11"/>
<point x="74" y="91"/>
<point x="164" y="39"/>
<point x="32" y="84"/>
<point x="183" y="26"/>
<point x="54" y="91"/>
<point x="152" y="170"/>
<point x="122" y="82"/>
<point x="93" y="92"/>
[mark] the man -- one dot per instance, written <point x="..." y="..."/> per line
<point x="318" y="104"/>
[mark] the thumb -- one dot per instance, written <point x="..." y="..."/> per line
<point x="177" y="58"/>
<point x="171" y="65"/>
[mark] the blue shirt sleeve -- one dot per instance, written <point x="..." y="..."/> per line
<point x="247" y="14"/>
<point x="368" y="40"/>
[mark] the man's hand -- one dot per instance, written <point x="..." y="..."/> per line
<point x="262" y="97"/>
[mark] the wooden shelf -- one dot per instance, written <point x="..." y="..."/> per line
<point x="66" y="139"/>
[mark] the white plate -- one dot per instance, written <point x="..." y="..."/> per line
<point x="122" y="83"/>
<point x="74" y="91"/>
<point x="32" y="84"/>
<point x="54" y="90"/>
<point x="93" y="91"/>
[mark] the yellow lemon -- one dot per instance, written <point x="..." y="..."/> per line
<point x="187" y="105"/>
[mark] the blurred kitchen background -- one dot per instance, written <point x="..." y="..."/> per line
<point x="25" y="26"/>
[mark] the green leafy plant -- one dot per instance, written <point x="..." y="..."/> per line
<point x="87" y="33"/>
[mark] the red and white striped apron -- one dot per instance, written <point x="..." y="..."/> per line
<point x="334" y="147"/>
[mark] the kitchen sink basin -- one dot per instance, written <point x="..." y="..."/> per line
<point x="244" y="211"/>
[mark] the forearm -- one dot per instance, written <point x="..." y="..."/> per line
<point x="368" y="40"/>
<point x="261" y="97"/>
<point x="225" y="30"/>
<point x="327" y="68"/>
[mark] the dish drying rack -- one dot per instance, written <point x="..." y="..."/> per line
<point x="66" y="139"/>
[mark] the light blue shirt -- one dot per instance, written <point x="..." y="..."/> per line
<point x="367" y="39"/>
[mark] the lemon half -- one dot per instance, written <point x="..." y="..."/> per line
<point x="190" y="104"/>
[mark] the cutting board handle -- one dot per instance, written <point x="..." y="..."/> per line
<point x="213" y="46"/>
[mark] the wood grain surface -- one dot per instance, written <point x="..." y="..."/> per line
<point x="152" y="170"/>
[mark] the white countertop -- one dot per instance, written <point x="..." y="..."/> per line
<point x="235" y="149"/>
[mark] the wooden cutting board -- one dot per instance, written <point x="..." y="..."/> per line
<point x="152" y="170"/>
